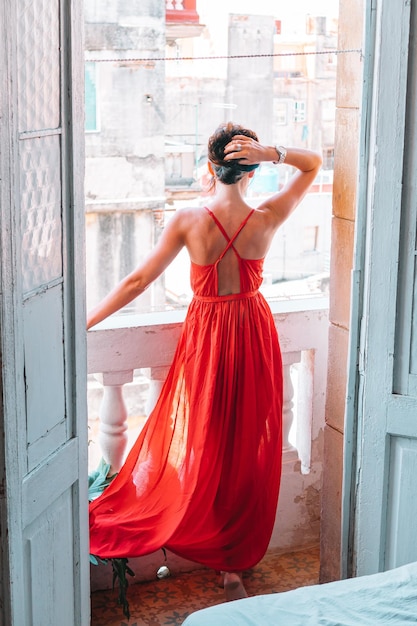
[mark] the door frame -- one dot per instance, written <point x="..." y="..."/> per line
<point x="385" y="61"/>
<point x="354" y="361"/>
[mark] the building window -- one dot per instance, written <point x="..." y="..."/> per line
<point x="299" y="111"/>
<point x="310" y="239"/>
<point x="91" y="113"/>
<point x="281" y="113"/>
<point x="316" y="25"/>
<point x="173" y="166"/>
<point x="289" y="65"/>
<point x="328" y="109"/>
<point x="328" y="158"/>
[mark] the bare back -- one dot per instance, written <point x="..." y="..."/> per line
<point x="225" y="239"/>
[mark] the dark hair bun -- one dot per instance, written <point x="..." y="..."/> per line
<point x="227" y="172"/>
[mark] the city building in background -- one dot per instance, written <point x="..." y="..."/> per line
<point x="124" y="142"/>
<point x="160" y="77"/>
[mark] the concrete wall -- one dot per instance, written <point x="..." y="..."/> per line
<point x="124" y="175"/>
<point x="310" y="79"/>
<point x="348" y="101"/>
<point x="250" y="84"/>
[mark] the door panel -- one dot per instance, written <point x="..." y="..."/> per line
<point x="401" y="543"/>
<point x="46" y="413"/>
<point x="39" y="63"/>
<point x="42" y="321"/>
<point x="405" y="370"/>
<point x="384" y="499"/>
<point x="401" y="546"/>
<point x="40" y="203"/>
<point x="42" y="566"/>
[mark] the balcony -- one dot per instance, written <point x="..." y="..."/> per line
<point x="128" y="358"/>
<point x="182" y="20"/>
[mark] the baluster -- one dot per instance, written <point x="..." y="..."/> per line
<point x="288" y="359"/>
<point x="305" y="409"/>
<point x="113" y="418"/>
<point x="157" y="376"/>
<point x="169" y="6"/>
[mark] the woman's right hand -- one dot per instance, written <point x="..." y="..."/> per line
<point x="248" y="151"/>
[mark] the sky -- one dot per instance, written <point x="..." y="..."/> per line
<point x="214" y="15"/>
<point x="292" y="14"/>
<point x="289" y="11"/>
<point x="273" y="7"/>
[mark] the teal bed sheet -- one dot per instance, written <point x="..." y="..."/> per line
<point x="388" y="598"/>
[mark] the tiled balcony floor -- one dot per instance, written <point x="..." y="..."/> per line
<point x="167" y="602"/>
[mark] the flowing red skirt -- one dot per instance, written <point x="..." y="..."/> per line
<point x="203" y="477"/>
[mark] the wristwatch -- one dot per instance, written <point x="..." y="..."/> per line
<point x="282" y="153"/>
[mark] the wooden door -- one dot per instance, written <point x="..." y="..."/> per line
<point x="43" y="422"/>
<point x="383" y="495"/>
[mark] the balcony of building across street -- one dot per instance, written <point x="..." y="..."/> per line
<point x="182" y="19"/>
<point x="128" y="359"/>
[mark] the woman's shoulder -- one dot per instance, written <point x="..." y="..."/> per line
<point x="264" y="213"/>
<point x="186" y="220"/>
<point x="188" y="212"/>
<point x="185" y="215"/>
<point x="270" y="210"/>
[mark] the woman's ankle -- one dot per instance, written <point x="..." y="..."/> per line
<point x="233" y="586"/>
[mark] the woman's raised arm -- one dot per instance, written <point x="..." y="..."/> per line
<point x="308" y="163"/>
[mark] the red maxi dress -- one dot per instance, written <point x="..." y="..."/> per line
<point x="202" y="478"/>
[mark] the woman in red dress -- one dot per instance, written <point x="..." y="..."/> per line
<point x="202" y="479"/>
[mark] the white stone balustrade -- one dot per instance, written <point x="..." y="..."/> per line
<point x="121" y="345"/>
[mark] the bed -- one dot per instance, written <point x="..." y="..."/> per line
<point x="388" y="598"/>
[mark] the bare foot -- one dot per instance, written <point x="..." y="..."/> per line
<point x="233" y="586"/>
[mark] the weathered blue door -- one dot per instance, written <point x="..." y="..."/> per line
<point x="43" y="500"/>
<point x="383" y="496"/>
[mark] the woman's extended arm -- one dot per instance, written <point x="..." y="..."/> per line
<point x="307" y="163"/>
<point x="135" y="283"/>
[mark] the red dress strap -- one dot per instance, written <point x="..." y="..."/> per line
<point x="230" y="240"/>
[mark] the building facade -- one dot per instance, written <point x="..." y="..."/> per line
<point x="148" y="123"/>
<point x="125" y="126"/>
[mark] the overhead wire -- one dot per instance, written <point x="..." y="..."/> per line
<point x="328" y="51"/>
